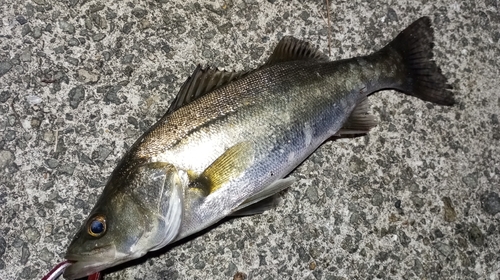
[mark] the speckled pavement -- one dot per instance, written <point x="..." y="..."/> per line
<point x="417" y="198"/>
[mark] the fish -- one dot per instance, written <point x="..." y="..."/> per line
<point x="229" y="139"/>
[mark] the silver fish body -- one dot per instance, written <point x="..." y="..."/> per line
<point x="229" y="139"/>
<point x="296" y="107"/>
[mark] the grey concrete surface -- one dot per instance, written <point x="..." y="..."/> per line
<point x="417" y="198"/>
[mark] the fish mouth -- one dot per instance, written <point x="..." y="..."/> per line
<point x="83" y="265"/>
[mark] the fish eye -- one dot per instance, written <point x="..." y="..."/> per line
<point x="97" y="226"/>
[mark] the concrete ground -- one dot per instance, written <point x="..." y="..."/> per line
<point x="417" y="198"/>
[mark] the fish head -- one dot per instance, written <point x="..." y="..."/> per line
<point x="136" y="213"/>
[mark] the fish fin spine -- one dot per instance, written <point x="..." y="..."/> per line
<point x="200" y="83"/>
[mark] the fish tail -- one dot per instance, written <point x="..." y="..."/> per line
<point x="423" y="78"/>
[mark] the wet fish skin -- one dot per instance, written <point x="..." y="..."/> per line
<point x="231" y="146"/>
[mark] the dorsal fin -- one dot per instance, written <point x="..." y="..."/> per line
<point x="201" y="82"/>
<point x="205" y="80"/>
<point x="290" y="48"/>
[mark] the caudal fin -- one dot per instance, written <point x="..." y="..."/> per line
<point x="424" y="78"/>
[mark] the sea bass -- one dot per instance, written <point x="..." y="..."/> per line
<point x="229" y="139"/>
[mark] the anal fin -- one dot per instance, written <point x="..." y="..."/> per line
<point x="359" y="122"/>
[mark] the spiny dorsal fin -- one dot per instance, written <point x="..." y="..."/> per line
<point x="359" y="122"/>
<point x="290" y="48"/>
<point x="201" y="82"/>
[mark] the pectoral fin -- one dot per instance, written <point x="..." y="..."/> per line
<point x="230" y="165"/>
<point x="259" y="203"/>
